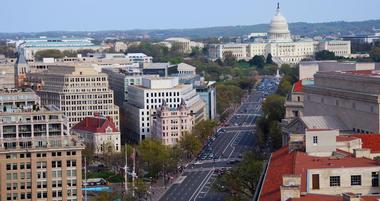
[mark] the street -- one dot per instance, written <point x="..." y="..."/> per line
<point x="222" y="151"/>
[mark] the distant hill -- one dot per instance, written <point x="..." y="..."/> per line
<point x="299" y="28"/>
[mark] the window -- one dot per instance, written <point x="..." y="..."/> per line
<point x="315" y="139"/>
<point x="335" y="181"/>
<point x="375" y="179"/>
<point x="356" y="180"/>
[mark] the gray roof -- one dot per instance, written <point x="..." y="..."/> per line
<point x="323" y="122"/>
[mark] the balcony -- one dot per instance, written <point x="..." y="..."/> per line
<point x="41" y="142"/>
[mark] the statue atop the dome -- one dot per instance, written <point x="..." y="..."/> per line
<point x="278" y="5"/>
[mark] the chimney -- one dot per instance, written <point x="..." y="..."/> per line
<point x="351" y="197"/>
<point x="291" y="187"/>
<point x="360" y="153"/>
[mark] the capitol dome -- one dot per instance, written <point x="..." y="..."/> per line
<point x="278" y="28"/>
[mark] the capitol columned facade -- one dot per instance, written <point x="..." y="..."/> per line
<point x="280" y="45"/>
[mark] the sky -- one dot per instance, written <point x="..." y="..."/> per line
<point x="94" y="15"/>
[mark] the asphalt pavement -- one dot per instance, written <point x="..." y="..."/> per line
<point x="223" y="150"/>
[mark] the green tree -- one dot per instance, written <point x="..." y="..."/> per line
<point x="273" y="107"/>
<point x="106" y="196"/>
<point x="190" y="144"/>
<point x="325" y="55"/>
<point x="229" y="59"/>
<point x="154" y="155"/>
<point x="204" y="129"/>
<point x="39" y="55"/>
<point x="241" y="182"/>
<point x="269" y="59"/>
<point x="257" y="60"/>
<point x="275" y="134"/>
<point x="284" y="87"/>
<point x="375" y="54"/>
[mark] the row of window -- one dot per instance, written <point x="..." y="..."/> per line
<point x="161" y="94"/>
<point x="356" y="180"/>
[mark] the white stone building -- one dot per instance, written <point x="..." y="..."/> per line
<point x="184" y="45"/>
<point x="79" y="91"/>
<point x="280" y="45"/>
<point x="171" y="124"/>
<point x="99" y="132"/>
<point x="144" y="100"/>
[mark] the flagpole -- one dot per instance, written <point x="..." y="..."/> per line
<point x="126" y="170"/>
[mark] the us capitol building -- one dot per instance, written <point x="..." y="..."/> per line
<point x="280" y="45"/>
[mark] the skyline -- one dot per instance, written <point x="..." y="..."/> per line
<point x="86" y="16"/>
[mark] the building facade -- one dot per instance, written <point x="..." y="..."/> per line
<point x="170" y="125"/>
<point x="79" y="91"/>
<point x="99" y="132"/>
<point x="144" y="100"/>
<point x="280" y="45"/>
<point x="323" y="166"/>
<point x="29" y="47"/>
<point x="353" y="96"/>
<point x="39" y="159"/>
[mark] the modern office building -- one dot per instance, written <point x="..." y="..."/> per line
<point x="323" y="165"/>
<point x="352" y="96"/>
<point x="39" y="159"/>
<point x="280" y="45"/>
<point x="207" y="91"/>
<point x="144" y="100"/>
<point x="139" y="58"/>
<point x="170" y="124"/>
<point x="29" y="47"/>
<point x="79" y="91"/>
<point x="100" y="133"/>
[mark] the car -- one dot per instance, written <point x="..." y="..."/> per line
<point x="198" y="163"/>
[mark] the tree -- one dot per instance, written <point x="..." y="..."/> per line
<point x="375" y="54"/>
<point x="257" y="60"/>
<point x="190" y="144"/>
<point x="273" y="107"/>
<point x="284" y="87"/>
<point x="325" y="55"/>
<point x="106" y="196"/>
<point x="204" y="129"/>
<point x="154" y="155"/>
<point x="229" y="59"/>
<point x="269" y="59"/>
<point x="89" y="152"/>
<point x="275" y="134"/>
<point x="39" y="55"/>
<point x="241" y="182"/>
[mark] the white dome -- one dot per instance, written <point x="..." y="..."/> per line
<point x="278" y="28"/>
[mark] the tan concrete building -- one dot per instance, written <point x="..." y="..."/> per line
<point x="352" y="96"/>
<point x="170" y="125"/>
<point x="79" y="91"/>
<point x="39" y="159"/>
<point x="7" y="72"/>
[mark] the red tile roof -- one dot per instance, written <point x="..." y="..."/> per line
<point x="345" y="138"/>
<point x="96" y="124"/>
<point x="297" y="163"/>
<point x="314" y="197"/>
<point x="370" y="141"/>
<point x="297" y="86"/>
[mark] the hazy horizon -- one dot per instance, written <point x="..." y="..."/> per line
<point x="85" y="15"/>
